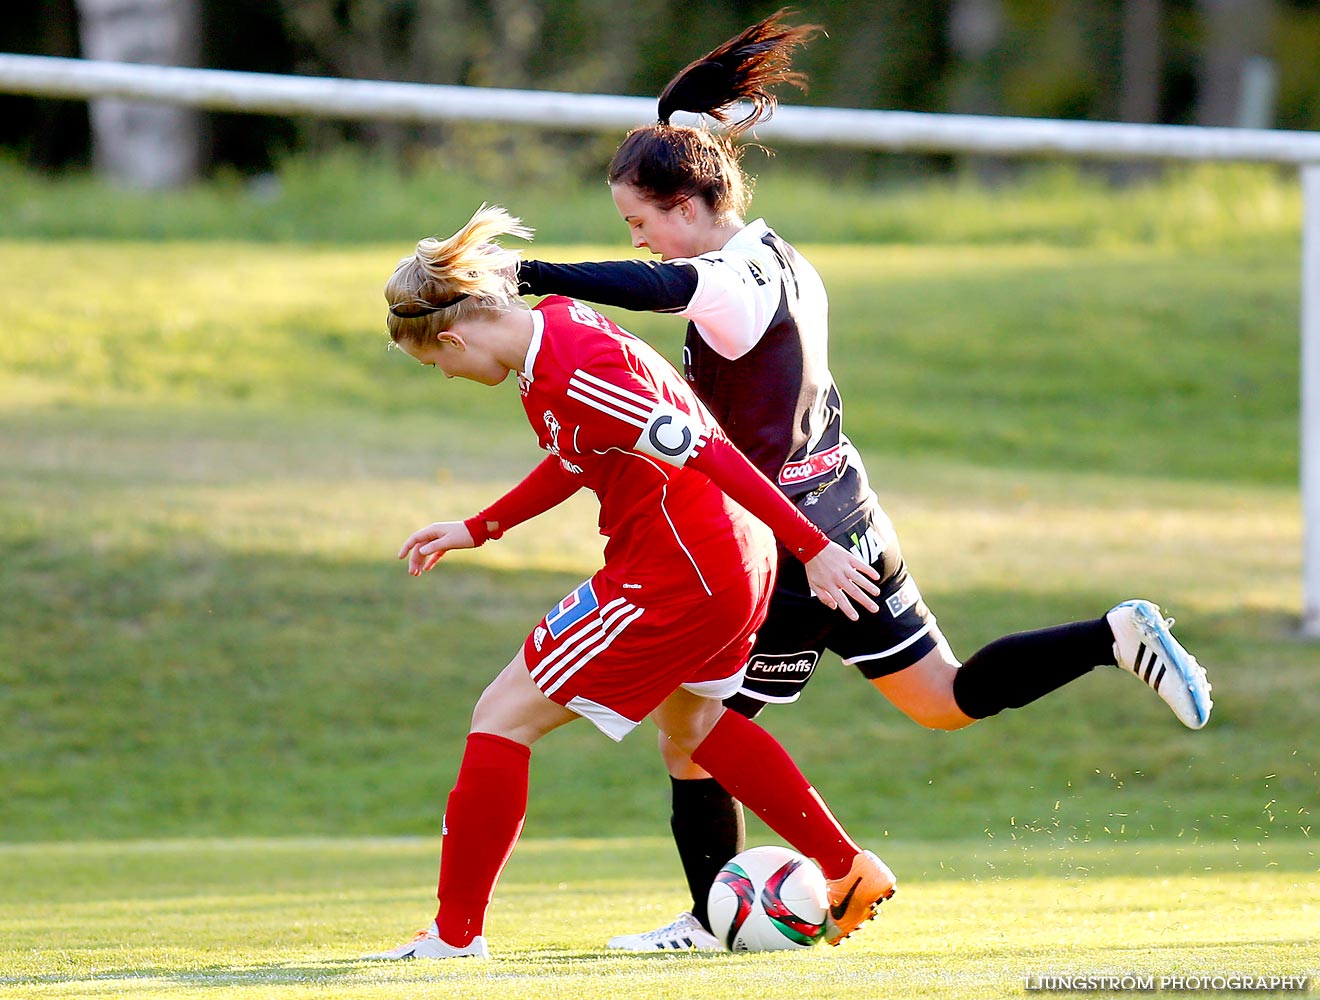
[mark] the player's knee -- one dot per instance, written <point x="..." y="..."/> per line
<point x="930" y="710"/>
<point x="944" y="719"/>
<point x="679" y="764"/>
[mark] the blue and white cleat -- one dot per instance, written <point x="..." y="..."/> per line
<point x="1143" y="645"/>
<point x="427" y="944"/>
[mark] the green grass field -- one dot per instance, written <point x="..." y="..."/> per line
<point x="230" y="718"/>
<point x="287" y="919"/>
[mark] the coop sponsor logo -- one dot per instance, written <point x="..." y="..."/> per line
<point x="785" y="668"/>
<point x="811" y="466"/>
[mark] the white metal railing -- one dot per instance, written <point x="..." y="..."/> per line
<point x="223" y="90"/>
<point x="886" y="130"/>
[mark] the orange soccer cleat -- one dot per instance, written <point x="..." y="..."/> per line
<point x="855" y="898"/>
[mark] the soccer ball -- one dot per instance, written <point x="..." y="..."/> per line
<point x="768" y="899"/>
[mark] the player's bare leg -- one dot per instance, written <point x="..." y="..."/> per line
<point x="924" y="691"/>
<point x="485" y="812"/>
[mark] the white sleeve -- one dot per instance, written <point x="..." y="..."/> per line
<point x="736" y="299"/>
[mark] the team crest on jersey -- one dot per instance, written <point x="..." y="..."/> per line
<point x="553" y="427"/>
<point x="571" y="610"/>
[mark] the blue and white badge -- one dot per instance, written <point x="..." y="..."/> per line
<point x="571" y="610"/>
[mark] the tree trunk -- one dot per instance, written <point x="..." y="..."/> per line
<point x="135" y="144"/>
<point x="976" y="38"/>
<point x="1139" y="89"/>
<point x="976" y="35"/>
<point x="1236" y="36"/>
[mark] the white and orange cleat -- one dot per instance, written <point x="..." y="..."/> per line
<point x="427" y="944"/>
<point x="855" y="898"/>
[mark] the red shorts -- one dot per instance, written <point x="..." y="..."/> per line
<point x="604" y="656"/>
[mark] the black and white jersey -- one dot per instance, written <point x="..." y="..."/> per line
<point x="756" y="354"/>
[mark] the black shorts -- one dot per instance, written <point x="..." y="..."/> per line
<point x="798" y="628"/>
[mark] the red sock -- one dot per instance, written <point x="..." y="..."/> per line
<point x="483" y="819"/>
<point x="756" y="770"/>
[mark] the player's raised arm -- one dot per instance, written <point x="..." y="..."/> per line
<point x="731" y="296"/>
<point x="640" y="285"/>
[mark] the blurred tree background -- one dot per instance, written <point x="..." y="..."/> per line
<point x="1206" y="62"/>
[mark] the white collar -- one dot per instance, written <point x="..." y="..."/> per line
<point x="534" y="348"/>
<point x="750" y="233"/>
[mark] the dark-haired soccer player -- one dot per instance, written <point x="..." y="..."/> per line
<point x="757" y="355"/>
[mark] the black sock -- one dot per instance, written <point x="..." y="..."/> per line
<point x="1017" y="669"/>
<point x="708" y="829"/>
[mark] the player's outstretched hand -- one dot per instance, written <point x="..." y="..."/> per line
<point x="838" y="577"/>
<point x="425" y="546"/>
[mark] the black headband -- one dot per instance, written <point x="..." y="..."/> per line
<point x="416" y="308"/>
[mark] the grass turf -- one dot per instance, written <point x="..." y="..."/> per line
<point x="207" y="460"/>
<point x="243" y="919"/>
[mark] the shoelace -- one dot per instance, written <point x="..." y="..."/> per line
<point x="672" y="930"/>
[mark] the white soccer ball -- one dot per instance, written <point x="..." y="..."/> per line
<point x="768" y="899"/>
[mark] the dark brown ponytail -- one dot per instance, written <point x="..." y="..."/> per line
<point x="668" y="164"/>
<point x="742" y="69"/>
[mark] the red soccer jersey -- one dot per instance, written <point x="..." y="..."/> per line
<point x="618" y="419"/>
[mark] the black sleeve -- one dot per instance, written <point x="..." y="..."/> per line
<point x="640" y="285"/>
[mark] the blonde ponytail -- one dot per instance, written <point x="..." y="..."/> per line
<point x="446" y="281"/>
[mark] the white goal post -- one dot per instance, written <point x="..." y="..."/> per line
<point x="895" y="131"/>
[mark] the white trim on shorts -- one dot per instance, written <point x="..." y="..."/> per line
<point x="853" y="661"/>
<point x="617" y="726"/>
<point x="770" y="699"/>
<point x="608" y="721"/>
<point x="725" y="687"/>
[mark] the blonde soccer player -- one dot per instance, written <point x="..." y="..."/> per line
<point x="664" y="628"/>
